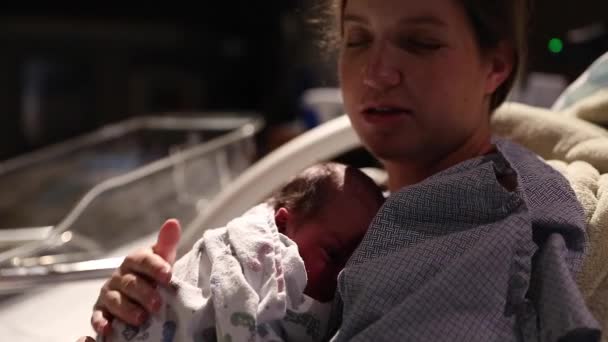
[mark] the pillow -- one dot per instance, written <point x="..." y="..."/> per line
<point x="594" y="79"/>
<point x="593" y="108"/>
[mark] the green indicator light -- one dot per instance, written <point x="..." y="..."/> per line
<point x="556" y="45"/>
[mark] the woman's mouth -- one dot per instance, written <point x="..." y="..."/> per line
<point x="382" y="114"/>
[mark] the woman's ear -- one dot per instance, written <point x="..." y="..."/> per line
<point x="282" y="217"/>
<point x="501" y="61"/>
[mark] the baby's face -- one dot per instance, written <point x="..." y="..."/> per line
<point x="326" y="243"/>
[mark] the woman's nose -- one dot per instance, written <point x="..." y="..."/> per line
<point x="379" y="74"/>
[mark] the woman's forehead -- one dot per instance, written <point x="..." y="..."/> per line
<point x="423" y="12"/>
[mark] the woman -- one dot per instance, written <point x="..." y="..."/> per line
<point x="479" y="239"/>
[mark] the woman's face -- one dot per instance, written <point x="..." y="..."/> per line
<point x="413" y="79"/>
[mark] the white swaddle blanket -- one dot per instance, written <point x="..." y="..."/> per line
<point x="242" y="282"/>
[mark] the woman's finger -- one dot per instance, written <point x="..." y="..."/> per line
<point x="101" y="322"/>
<point x="119" y="306"/>
<point x="168" y="239"/>
<point x="148" y="264"/>
<point x="137" y="289"/>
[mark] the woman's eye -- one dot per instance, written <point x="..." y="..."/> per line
<point x="352" y="43"/>
<point x="419" y="45"/>
<point x="356" y="39"/>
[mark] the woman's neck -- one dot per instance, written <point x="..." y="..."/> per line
<point x="402" y="173"/>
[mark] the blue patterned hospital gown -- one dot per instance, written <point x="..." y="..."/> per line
<point x="458" y="257"/>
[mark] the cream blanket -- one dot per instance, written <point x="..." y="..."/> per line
<point x="579" y="150"/>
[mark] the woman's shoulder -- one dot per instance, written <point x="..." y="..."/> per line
<point x="550" y="199"/>
<point x="533" y="174"/>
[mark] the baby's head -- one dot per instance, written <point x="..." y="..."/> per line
<point x="326" y="210"/>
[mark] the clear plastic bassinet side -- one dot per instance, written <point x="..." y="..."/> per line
<point x="134" y="204"/>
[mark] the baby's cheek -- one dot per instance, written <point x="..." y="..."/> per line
<point x="314" y="270"/>
<point x="322" y="283"/>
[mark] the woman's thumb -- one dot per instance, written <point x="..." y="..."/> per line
<point x="168" y="239"/>
<point x="86" y="339"/>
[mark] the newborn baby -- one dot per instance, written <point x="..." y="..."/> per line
<point x="271" y="273"/>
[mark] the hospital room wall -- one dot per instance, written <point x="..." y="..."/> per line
<point x="565" y="38"/>
<point x="65" y="71"/>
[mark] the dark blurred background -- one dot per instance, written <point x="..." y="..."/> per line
<point x="65" y="71"/>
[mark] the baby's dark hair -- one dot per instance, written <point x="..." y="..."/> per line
<point x="307" y="192"/>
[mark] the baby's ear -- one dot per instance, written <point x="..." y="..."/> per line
<point x="281" y="218"/>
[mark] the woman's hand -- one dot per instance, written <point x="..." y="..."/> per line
<point x="86" y="339"/>
<point x="130" y="294"/>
